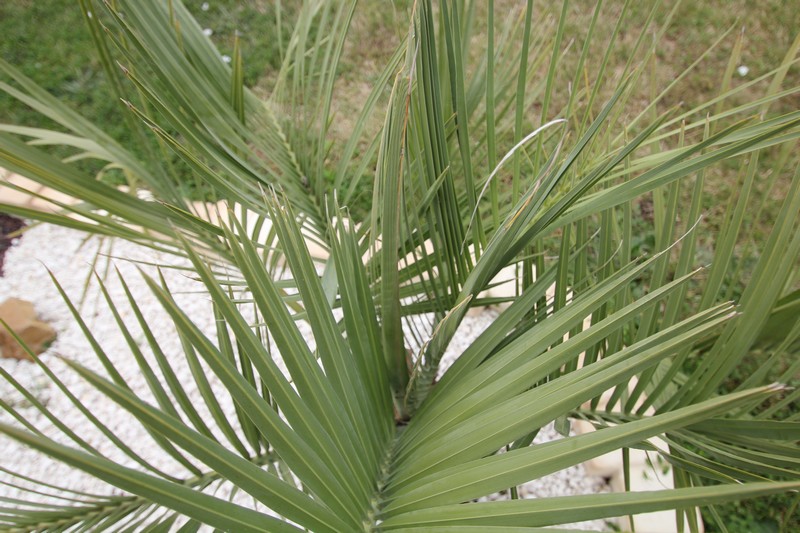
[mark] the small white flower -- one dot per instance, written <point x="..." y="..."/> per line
<point x="89" y="14"/>
<point x="208" y="32"/>
<point x="204" y="6"/>
<point x="742" y="70"/>
<point x="226" y="58"/>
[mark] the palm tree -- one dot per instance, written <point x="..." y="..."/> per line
<point x="360" y="434"/>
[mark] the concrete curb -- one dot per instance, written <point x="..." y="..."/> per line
<point x="31" y="199"/>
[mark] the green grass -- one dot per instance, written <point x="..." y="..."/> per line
<point x="48" y="40"/>
<point x="770" y="514"/>
<point x="255" y="23"/>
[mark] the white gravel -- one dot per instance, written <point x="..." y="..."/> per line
<point x="70" y="257"/>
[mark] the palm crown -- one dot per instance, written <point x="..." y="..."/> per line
<point x="361" y="433"/>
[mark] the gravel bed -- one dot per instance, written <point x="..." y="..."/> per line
<point x="70" y="256"/>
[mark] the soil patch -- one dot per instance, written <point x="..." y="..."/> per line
<point x="8" y="226"/>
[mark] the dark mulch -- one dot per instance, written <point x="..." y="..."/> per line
<point x="8" y="225"/>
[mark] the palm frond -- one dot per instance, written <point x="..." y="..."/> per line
<point x="319" y="395"/>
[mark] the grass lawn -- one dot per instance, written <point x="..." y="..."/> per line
<point x="48" y="40"/>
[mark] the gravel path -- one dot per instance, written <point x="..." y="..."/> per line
<point x="70" y="256"/>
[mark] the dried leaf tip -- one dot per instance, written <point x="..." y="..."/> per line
<point x="778" y="387"/>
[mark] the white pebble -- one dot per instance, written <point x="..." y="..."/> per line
<point x="69" y="257"/>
